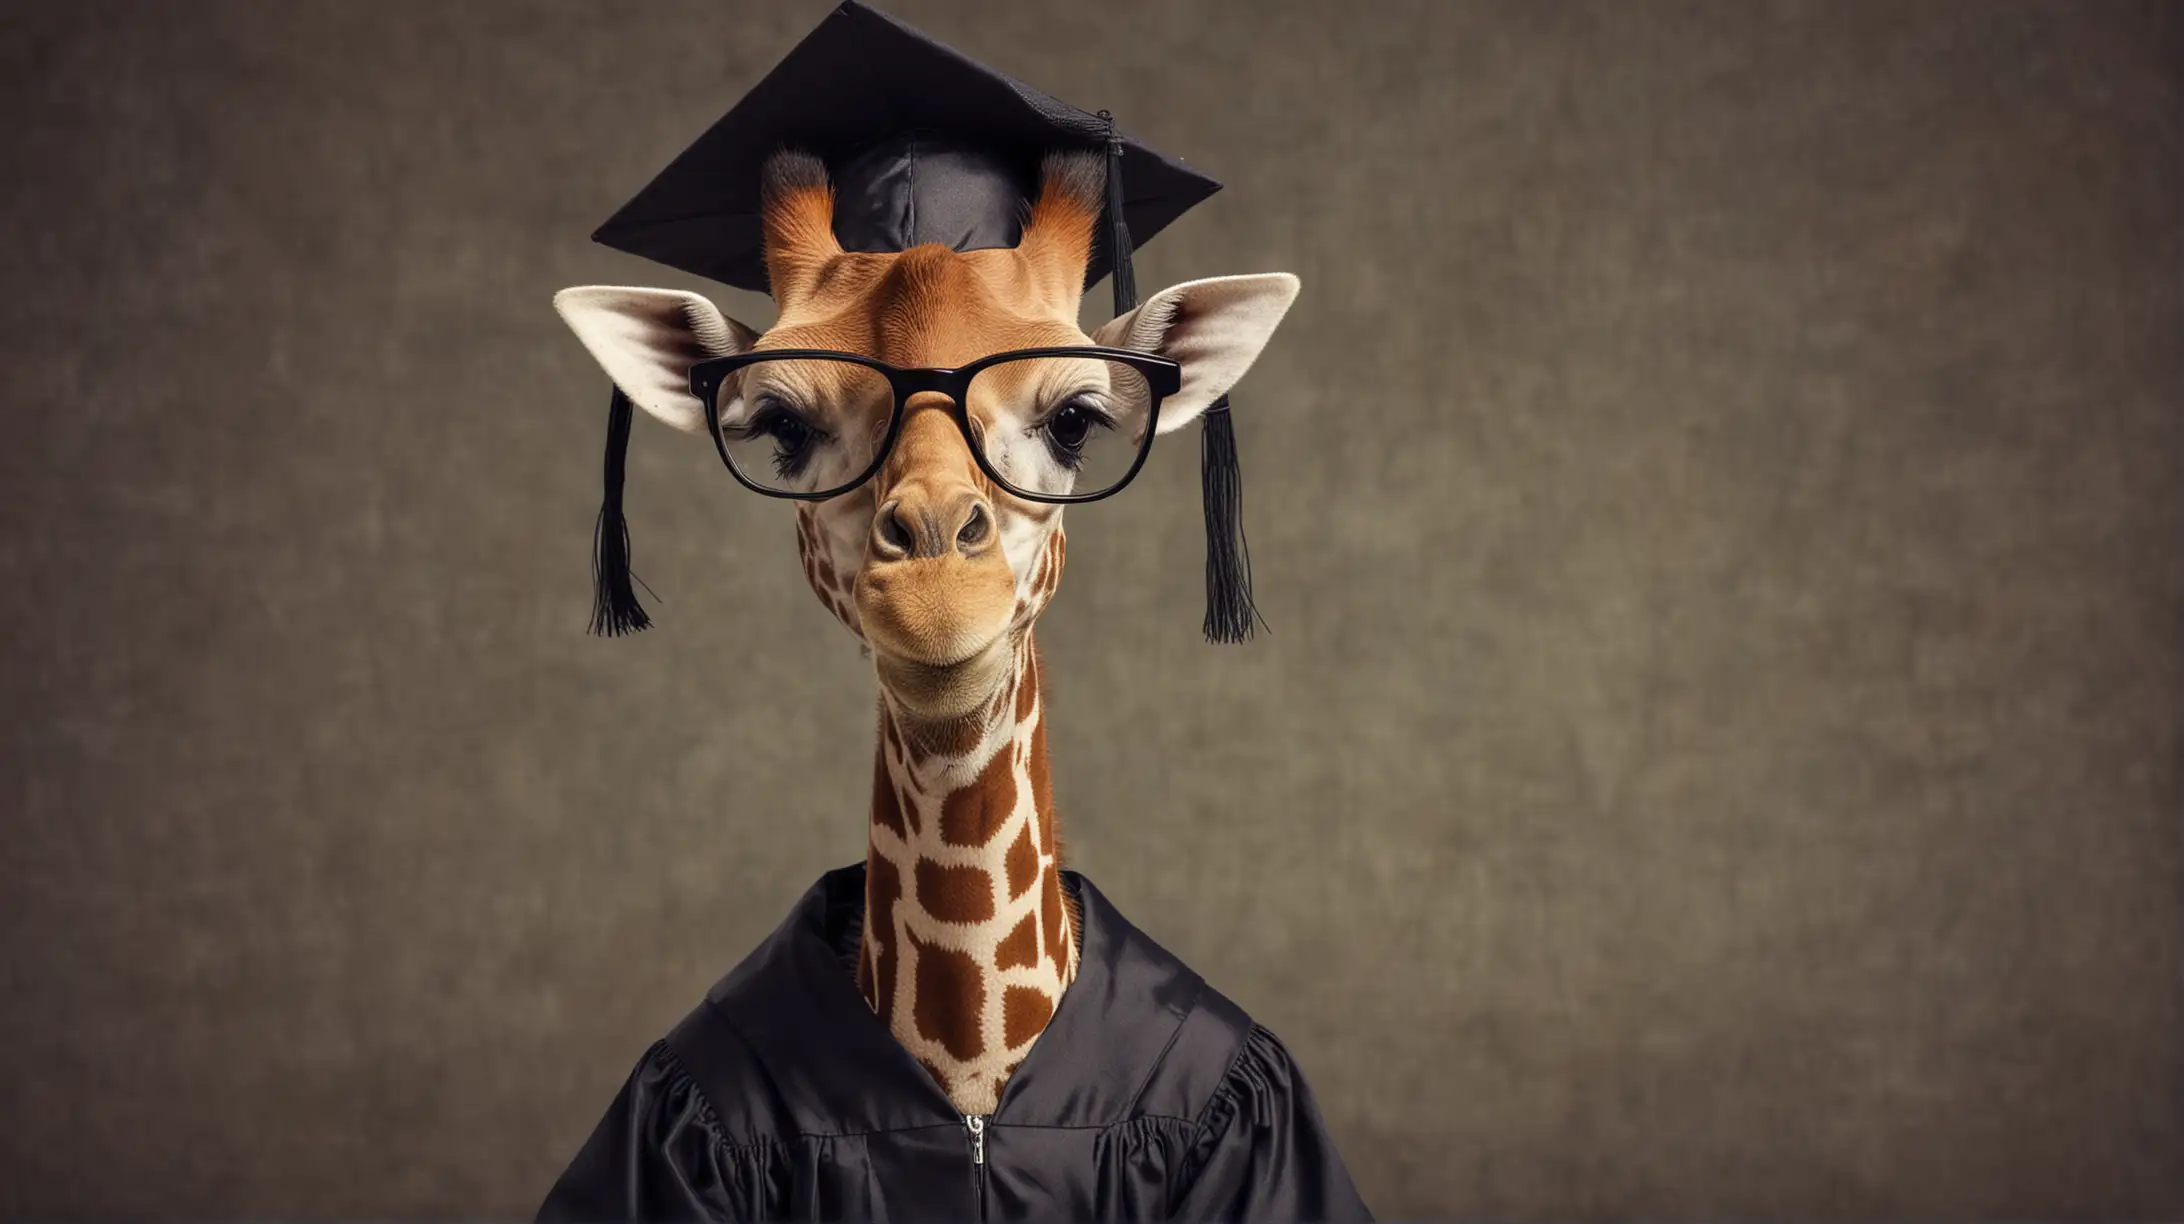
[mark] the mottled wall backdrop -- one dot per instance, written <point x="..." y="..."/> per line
<point x="1717" y="504"/>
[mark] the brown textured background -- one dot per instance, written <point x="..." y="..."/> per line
<point x="1717" y="501"/>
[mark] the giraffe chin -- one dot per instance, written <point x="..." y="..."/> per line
<point x="935" y="612"/>
<point x="946" y="692"/>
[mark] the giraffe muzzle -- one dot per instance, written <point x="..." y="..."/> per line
<point x="936" y="589"/>
<point x="912" y="527"/>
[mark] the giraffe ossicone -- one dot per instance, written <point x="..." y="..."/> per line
<point x="969" y="944"/>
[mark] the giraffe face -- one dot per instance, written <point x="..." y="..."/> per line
<point x="929" y="564"/>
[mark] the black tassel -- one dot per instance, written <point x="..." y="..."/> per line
<point x="1230" y="614"/>
<point x="1124" y="277"/>
<point x="615" y="609"/>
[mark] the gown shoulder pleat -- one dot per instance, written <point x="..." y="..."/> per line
<point x="662" y="1153"/>
<point x="1261" y="1150"/>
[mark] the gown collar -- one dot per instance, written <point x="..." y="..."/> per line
<point x="840" y="1070"/>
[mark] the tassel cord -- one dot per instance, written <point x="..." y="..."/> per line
<point x="1121" y="275"/>
<point x="1230" y="612"/>
<point x="615" y="609"/>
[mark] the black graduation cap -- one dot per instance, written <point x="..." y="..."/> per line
<point x="922" y="145"/>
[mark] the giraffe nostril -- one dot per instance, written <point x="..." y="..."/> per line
<point x="893" y="532"/>
<point x="976" y="528"/>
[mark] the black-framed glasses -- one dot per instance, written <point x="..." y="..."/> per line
<point x="1059" y="425"/>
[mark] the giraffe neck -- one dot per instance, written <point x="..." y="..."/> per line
<point x="966" y="946"/>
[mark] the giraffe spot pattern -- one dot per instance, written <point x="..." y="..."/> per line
<point x="948" y="994"/>
<point x="820" y="574"/>
<point x="944" y="1003"/>
<point x="1021" y="949"/>
<point x="1024" y="1012"/>
<point x="954" y="894"/>
<point x="1023" y="862"/>
<point x="883" y="888"/>
<point x="972" y="815"/>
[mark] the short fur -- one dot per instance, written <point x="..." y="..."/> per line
<point x="797" y="202"/>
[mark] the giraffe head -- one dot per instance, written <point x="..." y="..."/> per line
<point x="930" y="564"/>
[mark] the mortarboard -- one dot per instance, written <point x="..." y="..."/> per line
<point x="922" y="144"/>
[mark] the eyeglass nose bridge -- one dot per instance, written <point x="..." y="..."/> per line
<point x="949" y="384"/>
<point x="909" y="402"/>
<point x="907" y="383"/>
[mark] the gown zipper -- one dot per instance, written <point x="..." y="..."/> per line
<point x="976" y="1125"/>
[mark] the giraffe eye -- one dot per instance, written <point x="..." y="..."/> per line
<point x="1069" y="427"/>
<point x="794" y="437"/>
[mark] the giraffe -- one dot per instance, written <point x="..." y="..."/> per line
<point x="969" y="939"/>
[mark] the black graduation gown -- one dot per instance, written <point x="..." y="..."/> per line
<point x="783" y="1096"/>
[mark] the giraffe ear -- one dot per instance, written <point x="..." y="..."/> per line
<point x="647" y="340"/>
<point x="1213" y="328"/>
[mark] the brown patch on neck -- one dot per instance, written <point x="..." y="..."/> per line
<point x="1023" y="863"/>
<point x="952" y="893"/>
<point x="950" y="993"/>
<point x="1021" y="948"/>
<point x="972" y="815"/>
<point x="1024" y="1012"/>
